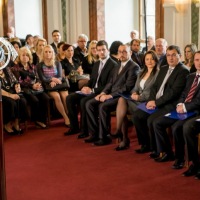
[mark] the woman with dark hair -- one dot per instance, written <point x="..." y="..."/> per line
<point x="71" y="68"/>
<point x="140" y="93"/>
<point x="189" y="51"/>
<point x="114" y="50"/>
<point x="29" y="41"/>
<point x="14" y="104"/>
<point x="60" y="53"/>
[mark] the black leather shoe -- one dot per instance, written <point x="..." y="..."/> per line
<point x="154" y="155"/>
<point x="82" y="135"/>
<point x="197" y="176"/>
<point x="166" y="157"/>
<point x="193" y="169"/>
<point x="71" y="132"/>
<point x="123" y="146"/>
<point x="103" y="142"/>
<point x="18" y="132"/>
<point x="143" y="149"/>
<point x="178" y="164"/>
<point x="91" y="139"/>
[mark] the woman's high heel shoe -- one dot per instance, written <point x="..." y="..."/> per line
<point x="124" y="146"/>
<point x="117" y="135"/>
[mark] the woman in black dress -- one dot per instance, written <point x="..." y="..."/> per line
<point x="14" y="104"/>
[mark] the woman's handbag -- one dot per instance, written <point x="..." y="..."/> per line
<point x="58" y="87"/>
<point x="74" y="76"/>
<point x="32" y="91"/>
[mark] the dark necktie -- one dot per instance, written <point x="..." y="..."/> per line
<point x="99" y="73"/>
<point x="192" y="89"/>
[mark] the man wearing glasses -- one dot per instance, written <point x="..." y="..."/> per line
<point x="81" y="50"/>
<point x="99" y="108"/>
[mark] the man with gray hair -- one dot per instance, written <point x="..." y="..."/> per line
<point x="81" y="50"/>
<point x="161" y="47"/>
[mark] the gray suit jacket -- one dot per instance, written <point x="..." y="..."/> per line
<point x="145" y="92"/>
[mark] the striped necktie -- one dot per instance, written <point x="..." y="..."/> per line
<point x="192" y="89"/>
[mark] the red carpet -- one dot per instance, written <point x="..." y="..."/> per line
<point x="45" y="165"/>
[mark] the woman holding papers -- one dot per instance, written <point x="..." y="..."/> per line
<point x="140" y="93"/>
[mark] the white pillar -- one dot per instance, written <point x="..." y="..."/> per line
<point x="170" y="22"/>
<point x="54" y="17"/>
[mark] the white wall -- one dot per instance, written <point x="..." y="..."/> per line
<point x="28" y="17"/>
<point x="120" y="20"/>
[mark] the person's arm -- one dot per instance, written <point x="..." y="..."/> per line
<point x="10" y="95"/>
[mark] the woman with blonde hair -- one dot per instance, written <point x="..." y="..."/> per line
<point x="50" y="72"/>
<point x="189" y="51"/>
<point x="37" y="56"/>
<point x="26" y="74"/>
<point x="91" y="58"/>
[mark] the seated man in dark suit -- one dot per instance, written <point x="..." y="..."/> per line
<point x="168" y="86"/>
<point x="189" y="101"/>
<point x="190" y="130"/>
<point x="101" y="73"/>
<point x="137" y="56"/>
<point x="56" y="36"/>
<point x="99" y="108"/>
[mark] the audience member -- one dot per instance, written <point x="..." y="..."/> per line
<point x="17" y="46"/>
<point x="188" y="101"/>
<point x="72" y="69"/>
<point x="140" y="93"/>
<point x="150" y="44"/>
<point x="14" y="104"/>
<point x="29" y="41"/>
<point x="60" y="53"/>
<point x="164" y="93"/>
<point x="191" y="129"/>
<point x="34" y="93"/>
<point x="136" y="56"/>
<point x="56" y="36"/>
<point x="102" y="71"/>
<point x="81" y="50"/>
<point x="35" y="40"/>
<point x="189" y="51"/>
<point x="37" y="56"/>
<point x="50" y="71"/>
<point x="99" y="108"/>
<point x="134" y="34"/>
<point x="91" y="58"/>
<point x="114" y="51"/>
<point x="161" y="46"/>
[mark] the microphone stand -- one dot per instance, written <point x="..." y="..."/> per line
<point x="2" y="158"/>
<point x="145" y="24"/>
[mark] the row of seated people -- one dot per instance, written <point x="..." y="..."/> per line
<point x="164" y="89"/>
<point x="107" y="81"/>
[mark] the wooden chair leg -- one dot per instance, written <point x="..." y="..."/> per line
<point x="199" y="143"/>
